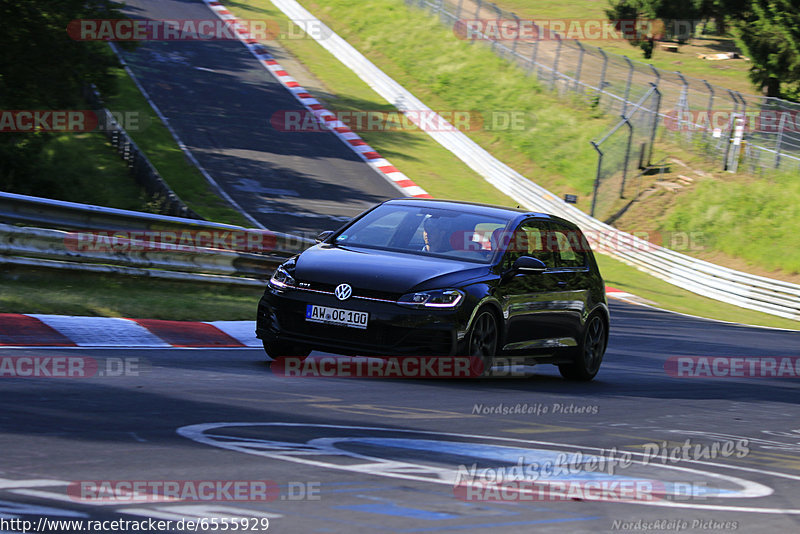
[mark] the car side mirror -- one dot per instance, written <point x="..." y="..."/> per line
<point x="324" y="235"/>
<point x="529" y="265"/>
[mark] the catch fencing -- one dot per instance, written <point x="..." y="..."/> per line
<point x="699" y="115"/>
<point x="622" y="153"/>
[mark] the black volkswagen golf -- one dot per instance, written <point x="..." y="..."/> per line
<point x="433" y="277"/>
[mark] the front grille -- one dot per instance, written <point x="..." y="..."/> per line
<point x="376" y="337"/>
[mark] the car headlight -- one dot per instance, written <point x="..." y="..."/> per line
<point x="439" y="298"/>
<point x="281" y="279"/>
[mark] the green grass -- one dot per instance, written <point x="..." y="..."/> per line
<point x="165" y="155"/>
<point x="758" y="221"/>
<point x="67" y="293"/>
<point x="84" y="167"/>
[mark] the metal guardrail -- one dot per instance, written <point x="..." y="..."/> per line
<point x="742" y="289"/>
<point x="60" y="249"/>
<point x="72" y="216"/>
<point x="38" y="247"/>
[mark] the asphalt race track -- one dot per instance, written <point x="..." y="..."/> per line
<point x="220" y="101"/>
<point x="383" y="449"/>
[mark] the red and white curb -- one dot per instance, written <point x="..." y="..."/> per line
<point x="615" y="293"/>
<point x="326" y="117"/>
<point x="35" y="330"/>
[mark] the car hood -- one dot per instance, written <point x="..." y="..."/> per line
<point x="378" y="270"/>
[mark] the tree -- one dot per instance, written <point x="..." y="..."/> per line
<point x="632" y="10"/>
<point x="721" y="11"/>
<point x="769" y="32"/>
<point x="41" y="67"/>
<point x="678" y="17"/>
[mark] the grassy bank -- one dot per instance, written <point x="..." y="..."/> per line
<point x="69" y="293"/>
<point x="758" y="221"/>
<point x="83" y="167"/>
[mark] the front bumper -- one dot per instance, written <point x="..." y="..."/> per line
<point x="392" y="330"/>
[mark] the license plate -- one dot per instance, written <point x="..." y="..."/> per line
<point x="337" y="316"/>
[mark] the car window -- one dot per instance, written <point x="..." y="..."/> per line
<point x="424" y="230"/>
<point x="528" y="239"/>
<point x="569" y="247"/>
<point x="380" y="231"/>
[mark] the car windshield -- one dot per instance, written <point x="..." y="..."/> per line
<point x="425" y="230"/>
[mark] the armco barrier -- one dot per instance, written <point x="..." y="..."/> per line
<point x="44" y="248"/>
<point x="742" y="289"/>
<point x="71" y="216"/>
<point x="53" y="245"/>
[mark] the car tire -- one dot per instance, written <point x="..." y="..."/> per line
<point x="277" y="349"/>
<point x="482" y="341"/>
<point x="589" y="354"/>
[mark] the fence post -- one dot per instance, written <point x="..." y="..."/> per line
<point x="655" y="115"/>
<point x="535" y="49"/>
<point x="710" y="108"/>
<point x="498" y="17"/>
<point x="478" y="6"/>
<point x="778" y="141"/>
<point x="656" y="73"/>
<point x="516" y="39"/>
<point x="555" y="62"/>
<point x="580" y="65"/>
<point x="683" y="104"/>
<point x="627" y="85"/>
<point x="596" y="176"/>
<point x="458" y="10"/>
<point x="730" y="128"/>
<point x="602" y="76"/>
<point x="627" y="157"/>
<point x="744" y="104"/>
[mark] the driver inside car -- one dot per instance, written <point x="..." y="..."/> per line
<point x="436" y="234"/>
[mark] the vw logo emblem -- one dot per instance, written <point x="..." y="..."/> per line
<point x="343" y="291"/>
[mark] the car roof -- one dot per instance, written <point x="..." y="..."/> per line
<point x="477" y="208"/>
